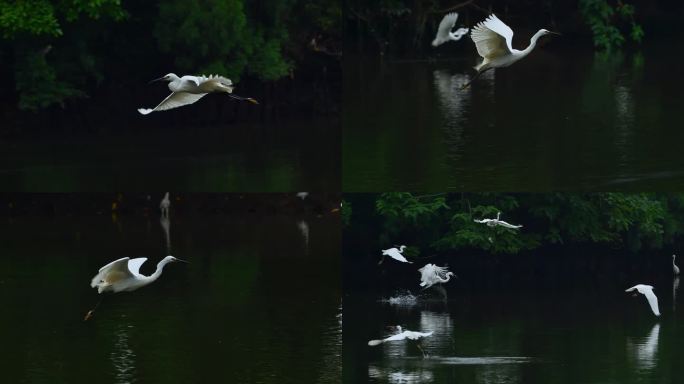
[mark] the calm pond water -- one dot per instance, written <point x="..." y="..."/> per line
<point x="537" y="324"/>
<point x="256" y="304"/>
<point x="267" y="157"/>
<point x="562" y="119"/>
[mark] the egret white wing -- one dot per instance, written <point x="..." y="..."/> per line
<point x="174" y="100"/>
<point x="507" y="225"/>
<point x="417" y="335"/>
<point x="118" y="267"/>
<point x="134" y="265"/>
<point x="445" y="26"/>
<point x="492" y="38"/>
<point x="652" y="301"/>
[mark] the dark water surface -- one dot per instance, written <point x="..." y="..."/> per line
<point x="537" y="324"/>
<point x="258" y="303"/>
<point x="561" y="119"/>
<point x="261" y="157"/>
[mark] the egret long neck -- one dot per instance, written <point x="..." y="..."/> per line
<point x="533" y="43"/>
<point x="158" y="272"/>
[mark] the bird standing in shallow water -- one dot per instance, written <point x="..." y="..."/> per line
<point x="494" y="42"/>
<point x="188" y="89"/>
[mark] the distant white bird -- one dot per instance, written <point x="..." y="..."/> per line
<point x="495" y="222"/>
<point x="494" y="42"/>
<point x="124" y="275"/>
<point x="431" y="274"/>
<point x="675" y="268"/>
<point x="164" y="205"/>
<point x="188" y="89"/>
<point x="647" y="291"/>
<point x="166" y="227"/>
<point x="444" y="33"/>
<point x="396" y="254"/>
<point x="302" y="195"/>
<point x="403" y="335"/>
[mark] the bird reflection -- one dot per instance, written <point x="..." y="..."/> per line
<point x="442" y="326"/>
<point x="122" y="356"/>
<point x="397" y="375"/>
<point x="454" y="104"/>
<point x="304" y="230"/>
<point x="165" y="223"/>
<point x="675" y="287"/>
<point x="644" y="350"/>
<point x="624" y="119"/>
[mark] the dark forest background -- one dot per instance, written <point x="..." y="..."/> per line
<point x="79" y="63"/>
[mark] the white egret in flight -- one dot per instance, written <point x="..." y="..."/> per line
<point x="124" y="275"/>
<point x="647" y="290"/>
<point x="188" y="89"/>
<point x="497" y="221"/>
<point x="494" y="42"/>
<point x="403" y="335"/>
<point x="431" y="274"/>
<point x="444" y="33"/>
<point x="164" y="205"/>
<point x="396" y="254"/>
<point x="675" y="268"/>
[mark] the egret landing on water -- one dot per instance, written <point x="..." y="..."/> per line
<point x="494" y="42"/>
<point x="431" y="274"/>
<point x="403" y="335"/>
<point x="394" y="253"/>
<point x="444" y="33"/>
<point x="123" y="275"/>
<point x="647" y="291"/>
<point x="494" y="222"/>
<point x="188" y="89"/>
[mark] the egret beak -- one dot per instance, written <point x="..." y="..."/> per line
<point x="236" y="97"/>
<point x="182" y="261"/>
<point x="159" y="79"/>
<point x="555" y="33"/>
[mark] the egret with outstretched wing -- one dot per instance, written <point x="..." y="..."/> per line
<point x="444" y="32"/>
<point x="647" y="290"/>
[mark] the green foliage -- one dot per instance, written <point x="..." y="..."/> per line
<point x="404" y="205"/>
<point x="633" y="222"/>
<point x="605" y="19"/>
<point x="41" y="17"/>
<point x="218" y="36"/>
<point x="38" y="85"/>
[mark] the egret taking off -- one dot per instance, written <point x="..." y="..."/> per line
<point x="494" y="222"/>
<point x="675" y="268"/>
<point x="124" y="275"/>
<point x="394" y="253"/>
<point x="431" y="274"/>
<point x="647" y="291"/>
<point x="188" y="89"/>
<point x="494" y="42"/>
<point x="444" y="33"/>
<point x="403" y="335"/>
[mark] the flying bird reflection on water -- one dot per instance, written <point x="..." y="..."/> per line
<point x="647" y="290"/>
<point x="188" y="89"/>
<point x="444" y="32"/>
<point x="497" y="221"/>
<point x="494" y="42"/>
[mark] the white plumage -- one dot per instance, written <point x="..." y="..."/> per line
<point x="431" y="274"/>
<point x="396" y="254"/>
<point x="675" y="268"/>
<point x="647" y="290"/>
<point x="497" y="221"/>
<point x="123" y="275"/>
<point x="444" y="32"/>
<point x="401" y="335"/>
<point x="164" y="205"/>
<point x="187" y="90"/>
